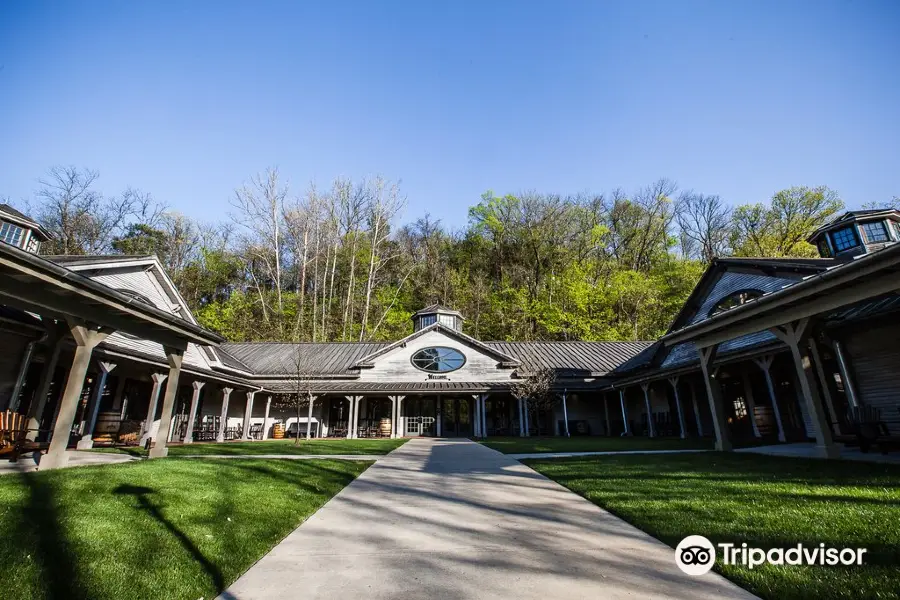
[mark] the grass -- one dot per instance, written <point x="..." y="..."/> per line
<point x="322" y="447"/>
<point x="767" y="502"/>
<point x="154" y="529"/>
<point x="530" y="445"/>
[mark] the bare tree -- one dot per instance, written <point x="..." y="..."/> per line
<point x="301" y="397"/>
<point x="536" y="391"/>
<point x="704" y="224"/>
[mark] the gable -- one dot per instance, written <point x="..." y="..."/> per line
<point x="395" y="362"/>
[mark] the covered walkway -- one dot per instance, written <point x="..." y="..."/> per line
<point x="453" y="519"/>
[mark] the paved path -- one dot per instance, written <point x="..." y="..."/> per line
<point x="808" y="450"/>
<point x="448" y="519"/>
<point x="598" y="453"/>
<point x="28" y="462"/>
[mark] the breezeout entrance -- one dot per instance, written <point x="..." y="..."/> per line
<point x="457" y="417"/>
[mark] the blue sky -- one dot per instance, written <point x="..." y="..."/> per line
<point x="186" y="100"/>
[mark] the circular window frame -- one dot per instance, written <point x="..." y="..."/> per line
<point x="420" y="350"/>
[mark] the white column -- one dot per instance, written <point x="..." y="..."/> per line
<point x="195" y="401"/>
<point x="86" y="339"/>
<point x="223" y="418"/>
<point x="765" y="363"/>
<point x="158" y="379"/>
<point x="309" y="416"/>
<point x="624" y="412"/>
<point x="565" y="414"/>
<point x="674" y="382"/>
<point x="651" y="427"/>
<point x="401" y="431"/>
<point x="86" y="442"/>
<point x="476" y="415"/>
<point x="265" y="429"/>
<point x="439" y="403"/>
<point x="353" y="418"/>
<point x="20" y="377"/>
<point x="174" y="356"/>
<point x="484" y="431"/>
<point x="749" y="402"/>
<point x="527" y="418"/>
<point x="248" y="412"/>
<point x="521" y="418"/>
<point x="395" y="415"/>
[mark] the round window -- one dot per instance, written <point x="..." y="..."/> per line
<point x="438" y="359"/>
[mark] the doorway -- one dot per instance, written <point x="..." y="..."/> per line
<point x="457" y="417"/>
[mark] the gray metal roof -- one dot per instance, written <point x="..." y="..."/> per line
<point x="343" y="387"/>
<point x="868" y="309"/>
<point x="589" y="357"/>
<point x="71" y="260"/>
<point x="230" y="361"/>
<point x="437" y="308"/>
<point x="323" y="359"/>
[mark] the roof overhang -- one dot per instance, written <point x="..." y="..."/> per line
<point x="865" y="277"/>
<point x="34" y="284"/>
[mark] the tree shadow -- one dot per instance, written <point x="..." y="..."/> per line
<point x="141" y="494"/>
<point x="54" y="552"/>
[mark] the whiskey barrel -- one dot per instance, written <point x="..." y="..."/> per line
<point x="385" y="427"/>
<point x="107" y="427"/>
<point x="278" y="431"/>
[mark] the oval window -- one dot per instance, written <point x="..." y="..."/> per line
<point x="438" y="359"/>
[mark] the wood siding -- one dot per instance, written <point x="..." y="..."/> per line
<point x="874" y="357"/>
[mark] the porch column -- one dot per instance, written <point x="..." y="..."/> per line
<point x="439" y="403"/>
<point x="53" y="343"/>
<point x="484" y="431"/>
<point x="479" y="415"/>
<point x="606" y="413"/>
<point x="248" y="413"/>
<point x="823" y="385"/>
<point x="352" y="433"/>
<point x="624" y="412"/>
<point x="749" y="401"/>
<point x="312" y="401"/>
<point x="87" y="442"/>
<point x="565" y="413"/>
<point x="846" y="380"/>
<point x="521" y="419"/>
<point x="792" y="334"/>
<point x="223" y="418"/>
<point x="393" y="400"/>
<point x="527" y="418"/>
<point x="714" y="392"/>
<point x="175" y="356"/>
<point x="651" y="426"/>
<point x="696" y="406"/>
<point x="13" y="404"/>
<point x="195" y="401"/>
<point x="673" y="381"/>
<point x="265" y="431"/>
<point x="401" y="430"/>
<point x="158" y="379"/>
<point x="765" y="363"/>
<point x="86" y="339"/>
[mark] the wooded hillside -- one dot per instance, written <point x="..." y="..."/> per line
<point x="340" y="264"/>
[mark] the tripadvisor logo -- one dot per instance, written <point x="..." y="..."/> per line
<point x="696" y="555"/>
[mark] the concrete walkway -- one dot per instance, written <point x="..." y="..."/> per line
<point x="448" y="519"/>
<point x="808" y="450"/>
<point x="29" y="462"/>
<point x="540" y="455"/>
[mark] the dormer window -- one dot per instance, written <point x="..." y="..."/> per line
<point x="734" y="299"/>
<point x="12" y="234"/>
<point x="875" y="232"/>
<point x="844" y="239"/>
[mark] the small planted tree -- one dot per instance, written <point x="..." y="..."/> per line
<point x="300" y="397"/>
<point x="537" y="392"/>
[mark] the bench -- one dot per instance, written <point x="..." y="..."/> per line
<point x="13" y="429"/>
<point x="869" y="430"/>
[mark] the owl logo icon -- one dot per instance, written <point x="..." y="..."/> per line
<point x="695" y="555"/>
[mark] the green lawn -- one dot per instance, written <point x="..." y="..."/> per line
<point x="519" y="445"/>
<point x="320" y="446"/>
<point x="767" y="502"/>
<point x="154" y="529"/>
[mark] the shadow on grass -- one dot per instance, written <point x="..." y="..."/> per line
<point x="141" y="494"/>
<point x="54" y="553"/>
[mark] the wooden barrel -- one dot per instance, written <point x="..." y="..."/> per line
<point x="106" y="427"/>
<point x="278" y="431"/>
<point x="385" y="427"/>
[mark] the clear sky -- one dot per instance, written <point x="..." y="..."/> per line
<point x="186" y="100"/>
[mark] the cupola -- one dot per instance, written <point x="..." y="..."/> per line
<point x="436" y="313"/>
<point x="857" y="232"/>
<point x="18" y="230"/>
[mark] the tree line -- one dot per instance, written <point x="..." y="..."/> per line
<point x="338" y="263"/>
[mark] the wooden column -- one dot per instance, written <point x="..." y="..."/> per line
<point x="673" y="381"/>
<point x="765" y="363"/>
<point x="248" y="414"/>
<point x="158" y="379"/>
<point x="624" y="412"/>
<point x="195" y="402"/>
<point x="651" y="426"/>
<point x="846" y="378"/>
<point x="86" y="339"/>
<point x="823" y="385"/>
<point x="565" y="414"/>
<point x="439" y="403"/>
<point x="792" y="334"/>
<point x="265" y="429"/>
<point x="696" y="406"/>
<point x="13" y="404"/>
<point x="353" y="420"/>
<point x="749" y="402"/>
<point x="223" y="417"/>
<point x="606" y="413"/>
<point x="527" y="417"/>
<point x="175" y="356"/>
<point x="476" y="415"/>
<point x="87" y="442"/>
<point x="521" y="418"/>
<point x="53" y="344"/>
<point x="714" y="393"/>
